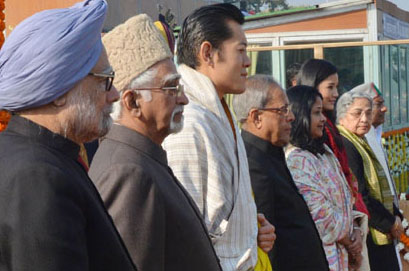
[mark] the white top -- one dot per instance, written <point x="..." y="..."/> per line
<point x="374" y="139"/>
<point x="213" y="168"/>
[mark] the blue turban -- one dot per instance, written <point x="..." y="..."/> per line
<point x="48" y="53"/>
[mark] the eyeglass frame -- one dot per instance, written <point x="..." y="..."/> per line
<point x="363" y="112"/>
<point x="109" y="79"/>
<point x="378" y="104"/>
<point x="284" y="110"/>
<point x="177" y="90"/>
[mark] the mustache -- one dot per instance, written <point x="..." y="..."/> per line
<point x="108" y="110"/>
<point x="178" y="109"/>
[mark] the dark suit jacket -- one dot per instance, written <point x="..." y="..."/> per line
<point x="51" y="216"/>
<point x="380" y="257"/>
<point x="298" y="245"/>
<point x="380" y="218"/>
<point x="157" y="219"/>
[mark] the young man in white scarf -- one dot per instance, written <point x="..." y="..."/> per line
<point x="208" y="155"/>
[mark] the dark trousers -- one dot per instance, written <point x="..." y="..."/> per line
<point x="382" y="258"/>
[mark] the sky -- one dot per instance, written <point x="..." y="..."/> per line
<point x="403" y="4"/>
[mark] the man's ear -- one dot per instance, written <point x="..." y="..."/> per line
<point x="206" y="54"/>
<point x="130" y="102"/>
<point x="60" y="101"/>
<point x="255" y="118"/>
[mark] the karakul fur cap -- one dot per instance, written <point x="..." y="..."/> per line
<point x="133" y="47"/>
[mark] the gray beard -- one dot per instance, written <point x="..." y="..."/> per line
<point x="81" y="125"/>
<point x="176" y="127"/>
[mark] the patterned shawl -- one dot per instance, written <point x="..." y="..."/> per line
<point x="334" y="141"/>
<point x="375" y="178"/>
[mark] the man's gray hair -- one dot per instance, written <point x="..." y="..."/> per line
<point x="368" y="88"/>
<point x="348" y="98"/>
<point x="142" y="80"/>
<point x="257" y="95"/>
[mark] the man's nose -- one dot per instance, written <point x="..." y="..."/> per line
<point x="291" y="116"/>
<point x="112" y="95"/>
<point x="247" y="61"/>
<point x="182" y="99"/>
<point x="384" y="109"/>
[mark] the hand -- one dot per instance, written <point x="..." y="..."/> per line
<point x="355" y="248"/>
<point x="354" y="261"/>
<point x="266" y="235"/>
<point x="346" y="240"/>
<point x="397" y="228"/>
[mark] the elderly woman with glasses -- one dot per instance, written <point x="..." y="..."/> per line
<point x="354" y="117"/>
<point x="319" y="178"/>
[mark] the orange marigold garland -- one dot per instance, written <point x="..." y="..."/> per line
<point x="2" y="24"/>
<point x="4" y="119"/>
<point x="404" y="239"/>
<point x="403" y="244"/>
<point x="4" y="115"/>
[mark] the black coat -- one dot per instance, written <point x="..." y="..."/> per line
<point x="380" y="257"/>
<point x="159" y="222"/>
<point x="298" y="245"/>
<point x="380" y="218"/>
<point x="51" y="216"/>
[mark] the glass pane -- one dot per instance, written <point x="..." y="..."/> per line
<point x="261" y="61"/>
<point x="394" y="65"/>
<point x="296" y="57"/>
<point x="350" y="64"/>
<point x="264" y="63"/>
<point x="385" y="77"/>
<point x="402" y="86"/>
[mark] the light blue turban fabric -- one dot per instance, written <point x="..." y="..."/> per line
<point x="48" y="53"/>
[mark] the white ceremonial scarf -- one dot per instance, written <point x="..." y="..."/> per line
<point x="374" y="138"/>
<point x="214" y="170"/>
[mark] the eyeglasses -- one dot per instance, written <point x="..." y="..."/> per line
<point x="171" y="91"/>
<point x="108" y="81"/>
<point x="379" y="104"/>
<point x="284" y="110"/>
<point x="360" y="114"/>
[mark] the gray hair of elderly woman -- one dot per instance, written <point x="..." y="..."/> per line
<point x="368" y="88"/>
<point x="257" y="95"/>
<point x="347" y="99"/>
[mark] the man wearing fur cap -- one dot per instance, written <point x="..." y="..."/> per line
<point x="157" y="219"/>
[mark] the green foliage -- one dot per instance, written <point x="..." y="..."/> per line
<point x="257" y="5"/>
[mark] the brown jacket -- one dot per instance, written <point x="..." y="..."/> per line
<point x="160" y="224"/>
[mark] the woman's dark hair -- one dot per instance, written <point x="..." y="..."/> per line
<point x="302" y="98"/>
<point x="208" y="23"/>
<point x="314" y="71"/>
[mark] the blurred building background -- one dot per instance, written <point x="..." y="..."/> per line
<point x="118" y="11"/>
<point x="314" y="28"/>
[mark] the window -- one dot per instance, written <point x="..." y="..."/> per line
<point x="350" y="64"/>
<point x="385" y="83"/>
<point x="394" y="86"/>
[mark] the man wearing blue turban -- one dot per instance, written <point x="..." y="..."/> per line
<point x="56" y="80"/>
